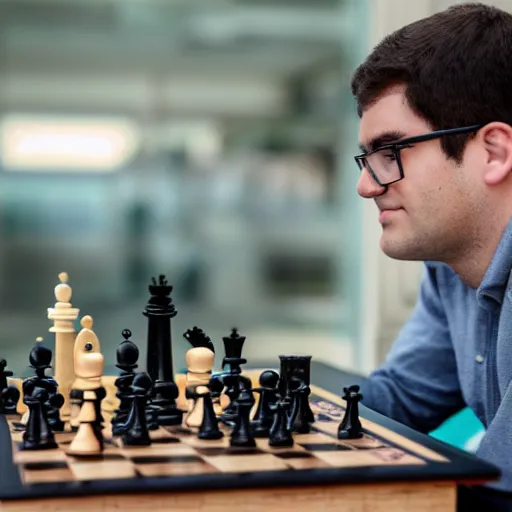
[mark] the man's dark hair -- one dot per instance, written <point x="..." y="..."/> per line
<point x="456" y="66"/>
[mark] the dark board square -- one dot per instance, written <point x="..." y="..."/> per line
<point x="155" y="459"/>
<point x="42" y="466"/>
<point x="180" y="431"/>
<point x="324" y="447"/>
<point x="293" y="455"/>
<point x="165" y="440"/>
<point x="219" y="450"/>
<point x="321" y="417"/>
<point x="97" y="457"/>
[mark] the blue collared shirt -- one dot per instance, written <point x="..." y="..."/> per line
<point x="455" y="351"/>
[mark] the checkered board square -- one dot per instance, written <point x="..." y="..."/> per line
<point x="177" y="451"/>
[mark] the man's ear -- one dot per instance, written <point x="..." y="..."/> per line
<point x="497" y="140"/>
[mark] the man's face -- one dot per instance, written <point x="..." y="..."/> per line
<point x="428" y="214"/>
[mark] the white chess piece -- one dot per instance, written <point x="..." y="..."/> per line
<point x="85" y="442"/>
<point x="63" y="316"/>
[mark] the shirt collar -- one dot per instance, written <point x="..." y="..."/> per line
<point x="492" y="288"/>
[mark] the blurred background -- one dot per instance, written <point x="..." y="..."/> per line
<point x="208" y="140"/>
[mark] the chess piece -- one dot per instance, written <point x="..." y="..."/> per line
<point x="350" y="426"/>
<point x="233" y="345"/>
<point x="209" y="428"/>
<point x="40" y="358"/>
<point x="63" y="316"/>
<point x="86" y="441"/>
<point x="199" y="362"/>
<point x="143" y="380"/>
<point x="216" y="386"/>
<point x="37" y="435"/>
<point x="9" y="395"/>
<point x="242" y="436"/>
<point x="298" y="420"/>
<point x="89" y="365"/>
<point x="127" y="355"/>
<point x="264" y="416"/>
<point x="198" y="338"/>
<point x="136" y="432"/>
<point x="237" y="385"/>
<point x="280" y="435"/>
<point x="290" y="364"/>
<point x="159" y="311"/>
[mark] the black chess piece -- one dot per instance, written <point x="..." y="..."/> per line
<point x="76" y="398"/>
<point x="236" y="384"/>
<point x="216" y="385"/>
<point x="298" y="420"/>
<point x="241" y="435"/>
<point x="198" y="338"/>
<point x="233" y="345"/>
<point x="127" y="355"/>
<point x="209" y="428"/>
<point x="280" y="435"/>
<point x="350" y="426"/>
<point x="264" y="416"/>
<point x="136" y="432"/>
<point x="40" y="358"/>
<point x="159" y="364"/>
<point x="9" y="395"/>
<point x="143" y="381"/>
<point x="38" y="434"/>
<point x="98" y="422"/>
<point x="290" y="365"/>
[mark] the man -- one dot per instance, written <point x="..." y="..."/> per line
<point x="435" y="105"/>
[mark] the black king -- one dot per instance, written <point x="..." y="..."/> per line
<point x="159" y="363"/>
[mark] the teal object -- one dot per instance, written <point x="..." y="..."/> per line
<point x="459" y="429"/>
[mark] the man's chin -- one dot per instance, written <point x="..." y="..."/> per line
<point x="398" y="249"/>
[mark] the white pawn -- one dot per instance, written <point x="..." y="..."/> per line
<point x="200" y="361"/>
<point x="85" y="441"/>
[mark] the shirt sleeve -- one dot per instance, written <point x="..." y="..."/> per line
<point x="418" y="383"/>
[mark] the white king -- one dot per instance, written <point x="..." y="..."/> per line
<point x="63" y="316"/>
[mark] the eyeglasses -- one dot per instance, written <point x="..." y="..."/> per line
<point x="385" y="163"/>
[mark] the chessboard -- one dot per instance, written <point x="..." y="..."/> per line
<point x="178" y="461"/>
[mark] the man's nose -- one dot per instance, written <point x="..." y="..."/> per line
<point x="367" y="187"/>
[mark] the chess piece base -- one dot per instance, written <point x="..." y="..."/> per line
<point x="212" y="435"/>
<point x="281" y="441"/>
<point x="347" y="434"/>
<point x="41" y="445"/>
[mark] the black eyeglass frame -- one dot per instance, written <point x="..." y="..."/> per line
<point x="397" y="146"/>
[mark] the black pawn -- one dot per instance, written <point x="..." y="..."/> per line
<point x="127" y="355"/>
<point x="40" y="358"/>
<point x="280" y="435"/>
<point x="136" y="428"/>
<point x="9" y="395"/>
<point x="143" y="381"/>
<point x="264" y="416"/>
<point x="299" y="419"/>
<point x="242" y="436"/>
<point x="37" y="435"/>
<point x="350" y="427"/>
<point x="209" y="428"/>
